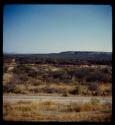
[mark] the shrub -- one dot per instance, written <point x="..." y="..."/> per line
<point x="19" y="89"/>
<point x="5" y="69"/>
<point x="98" y="76"/>
<point x="32" y="73"/>
<point x="7" y="77"/>
<point x="99" y="92"/>
<point x="8" y="87"/>
<point x="93" y="86"/>
<point x="34" y="90"/>
<point x="52" y="90"/>
<point x="65" y="94"/>
<point x="81" y="89"/>
<point x="21" y="69"/>
<point x="37" y="82"/>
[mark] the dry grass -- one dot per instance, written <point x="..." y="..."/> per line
<point x="20" y="88"/>
<point x="53" y="111"/>
<point x="7" y="78"/>
<point x="104" y="87"/>
<point x="61" y="89"/>
<point x="37" y="86"/>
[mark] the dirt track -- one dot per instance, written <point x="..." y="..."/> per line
<point x="56" y="98"/>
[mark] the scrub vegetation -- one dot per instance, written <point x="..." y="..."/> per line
<point x="58" y="75"/>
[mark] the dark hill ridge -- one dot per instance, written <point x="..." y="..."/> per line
<point x="86" y="52"/>
<point x="88" y="55"/>
<point x="68" y="57"/>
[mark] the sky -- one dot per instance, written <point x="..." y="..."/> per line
<point x="38" y="28"/>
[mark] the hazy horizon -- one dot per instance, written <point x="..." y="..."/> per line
<point x="57" y="28"/>
<point x="52" y="52"/>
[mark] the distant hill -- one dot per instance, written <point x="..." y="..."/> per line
<point x="67" y="57"/>
<point x="88" y="55"/>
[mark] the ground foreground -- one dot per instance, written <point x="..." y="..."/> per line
<point x="56" y="108"/>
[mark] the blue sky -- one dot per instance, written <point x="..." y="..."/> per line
<point x="55" y="28"/>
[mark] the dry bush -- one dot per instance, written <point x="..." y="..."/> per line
<point x="7" y="77"/>
<point x="65" y="94"/>
<point x="9" y="87"/>
<point x="48" y="89"/>
<point x="19" y="89"/>
<point x="79" y="90"/>
<point x="105" y="88"/>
